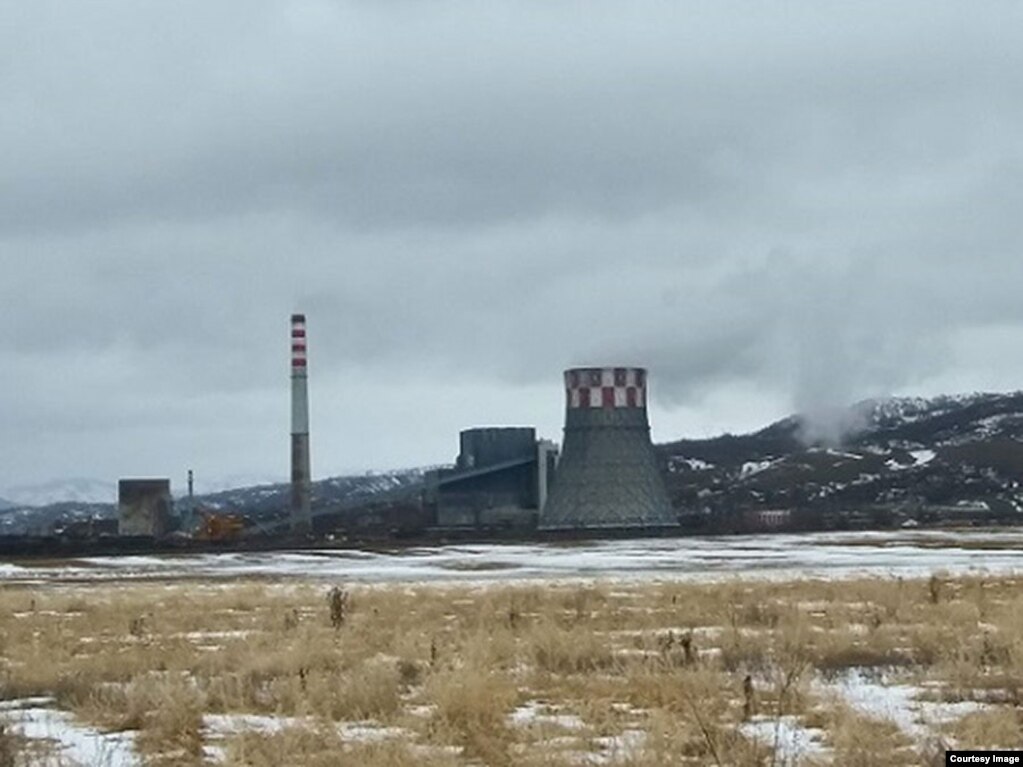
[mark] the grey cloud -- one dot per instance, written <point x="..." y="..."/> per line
<point x="817" y="202"/>
<point x="459" y="116"/>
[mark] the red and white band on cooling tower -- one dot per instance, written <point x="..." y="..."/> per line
<point x="298" y="343"/>
<point x="605" y="387"/>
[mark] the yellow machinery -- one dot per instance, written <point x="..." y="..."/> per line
<point x="219" y="526"/>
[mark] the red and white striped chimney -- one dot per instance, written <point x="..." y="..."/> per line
<point x="301" y="491"/>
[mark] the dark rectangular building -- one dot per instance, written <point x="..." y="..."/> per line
<point x="143" y="507"/>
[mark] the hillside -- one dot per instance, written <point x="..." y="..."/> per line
<point x="899" y="453"/>
<point x="264" y="502"/>
<point x="952" y="453"/>
<point x="75" y="490"/>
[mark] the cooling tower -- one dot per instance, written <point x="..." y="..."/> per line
<point x="608" y="475"/>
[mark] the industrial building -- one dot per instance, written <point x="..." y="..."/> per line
<point x="500" y="480"/>
<point x="504" y="479"/>
<point x="608" y="476"/>
<point x="143" y="507"/>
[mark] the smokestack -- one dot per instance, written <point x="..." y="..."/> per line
<point x="301" y="510"/>
<point x="608" y="475"/>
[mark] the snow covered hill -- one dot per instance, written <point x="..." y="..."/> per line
<point x="264" y="499"/>
<point x="964" y="451"/>
<point x="76" y="490"/>
<point x="42" y="509"/>
<point x="946" y="452"/>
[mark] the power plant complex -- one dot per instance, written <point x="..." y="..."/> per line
<point x="605" y="479"/>
<point x="606" y="476"/>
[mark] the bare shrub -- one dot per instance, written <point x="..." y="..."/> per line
<point x="860" y="741"/>
<point x="445" y="665"/>
<point x="171" y="715"/>
<point x="409" y="673"/>
<point x="339" y="601"/>
<point x="999" y="728"/>
<point x="368" y="692"/>
<point x="568" y="651"/>
<point x="313" y="746"/>
<point x="10" y="746"/>
<point x="472" y="707"/>
<point x="932" y="754"/>
<point x="743" y="652"/>
<point x="841" y="648"/>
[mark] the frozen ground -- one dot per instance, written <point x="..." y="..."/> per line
<point x="869" y="691"/>
<point x="820" y="555"/>
<point x="790" y="741"/>
<point x="71" y="744"/>
<point x="877" y="695"/>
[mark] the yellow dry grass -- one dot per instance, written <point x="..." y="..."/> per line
<point x="519" y="674"/>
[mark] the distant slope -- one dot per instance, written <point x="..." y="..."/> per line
<point x="897" y="454"/>
<point x="45" y="520"/>
<point x="259" y="502"/>
<point x="77" y="490"/>
<point x="268" y="502"/>
<point x="941" y="451"/>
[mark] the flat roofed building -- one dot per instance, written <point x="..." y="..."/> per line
<point x="143" y="507"/>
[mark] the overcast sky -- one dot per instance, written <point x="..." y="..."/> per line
<point x="774" y="206"/>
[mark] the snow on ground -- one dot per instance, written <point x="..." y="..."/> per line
<point x="616" y="748"/>
<point x="754" y="467"/>
<point x="879" y="696"/>
<point x="874" y="693"/>
<point x="695" y="464"/>
<point x="11" y="571"/>
<point x="922" y="457"/>
<point x="581" y="749"/>
<point x="78" y="746"/>
<point x="902" y="553"/>
<point x="536" y="713"/>
<point x="786" y="737"/>
<point x="988" y="426"/>
<point x="220" y="725"/>
<point x="841" y="454"/>
<point x="205" y="635"/>
<point x="73" y="744"/>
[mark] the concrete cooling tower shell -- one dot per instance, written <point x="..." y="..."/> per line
<point x="608" y="475"/>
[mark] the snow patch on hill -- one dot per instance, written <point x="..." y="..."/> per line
<point x="750" y="468"/>
<point x="922" y="457"/>
<point x="694" y="464"/>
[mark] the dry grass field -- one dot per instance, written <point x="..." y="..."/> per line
<point x="863" y="672"/>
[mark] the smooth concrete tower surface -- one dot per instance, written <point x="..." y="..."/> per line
<point x="608" y="477"/>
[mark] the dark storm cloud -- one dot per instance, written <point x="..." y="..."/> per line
<point x="813" y="201"/>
